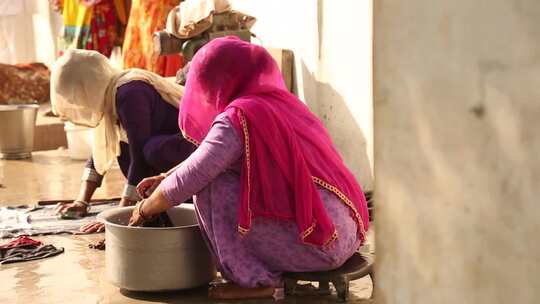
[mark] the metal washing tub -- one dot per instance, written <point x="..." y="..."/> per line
<point x="156" y="259"/>
<point x="17" y="124"/>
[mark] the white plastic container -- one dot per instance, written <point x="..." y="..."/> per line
<point x="79" y="141"/>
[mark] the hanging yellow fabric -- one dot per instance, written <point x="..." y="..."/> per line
<point x="77" y="23"/>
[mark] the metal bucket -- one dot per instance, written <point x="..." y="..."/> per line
<point x="156" y="259"/>
<point x="17" y="123"/>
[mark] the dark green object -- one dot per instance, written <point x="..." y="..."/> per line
<point x="191" y="46"/>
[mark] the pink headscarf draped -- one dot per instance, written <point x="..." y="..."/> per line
<point x="287" y="149"/>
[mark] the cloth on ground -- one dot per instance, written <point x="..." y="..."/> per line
<point x="42" y="220"/>
<point x="25" y="249"/>
<point x="20" y="242"/>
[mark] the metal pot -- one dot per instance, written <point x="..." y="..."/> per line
<point x="156" y="259"/>
<point x="17" y="123"/>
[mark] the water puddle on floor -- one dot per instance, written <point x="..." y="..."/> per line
<point x="63" y="278"/>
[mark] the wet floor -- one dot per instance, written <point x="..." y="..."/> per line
<point x="49" y="175"/>
<point x="78" y="275"/>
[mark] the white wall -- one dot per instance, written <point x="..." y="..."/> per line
<point x="332" y="47"/>
<point x="457" y="107"/>
<point x="28" y="31"/>
<point x="331" y="41"/>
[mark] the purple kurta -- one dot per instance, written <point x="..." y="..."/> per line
<point x="155" y="142"/>
<point x="271" y="247"/>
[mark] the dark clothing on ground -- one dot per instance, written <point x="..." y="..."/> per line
<point x="24" y="249"/>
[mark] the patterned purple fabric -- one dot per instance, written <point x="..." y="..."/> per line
<point x="271" y="247"/>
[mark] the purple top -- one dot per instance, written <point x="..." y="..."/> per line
<point x="220" y="151"/>
<point x="151" y="125"/>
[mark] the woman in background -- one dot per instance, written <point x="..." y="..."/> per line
<point x="134" y="115"/>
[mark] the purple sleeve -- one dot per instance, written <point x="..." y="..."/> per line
<point x="134" y="108"/>
<point x="219" y="151"/>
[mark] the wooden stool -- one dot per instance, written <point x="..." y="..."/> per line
<point x="356" y="267"/>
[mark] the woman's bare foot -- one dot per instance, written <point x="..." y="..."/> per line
<point x="231" y="291"/>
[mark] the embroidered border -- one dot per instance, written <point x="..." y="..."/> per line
<point x="344" y="199"/>
<point x="245" y="130"/>
<point x="331" y="239"/>
<point x="308" y="231"/>
<point x="190" y="139"/>
<point x="242" y="231"/>
<point x="311" y="228"/>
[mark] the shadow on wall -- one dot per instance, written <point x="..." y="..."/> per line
<point x="346" y="134"/>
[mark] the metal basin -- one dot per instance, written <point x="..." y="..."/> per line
<point x="156" y="259"/>
<point x="17" y="123"/>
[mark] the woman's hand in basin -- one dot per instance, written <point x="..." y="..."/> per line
<point x="148" y="185"/>
<point x="136" y="217"/>
<point x="148" y="208"/>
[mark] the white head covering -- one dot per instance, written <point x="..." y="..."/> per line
<point x="83" y="91"/>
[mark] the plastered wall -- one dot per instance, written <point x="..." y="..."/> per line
<point x="457" y="145"/>
<point x="28" y="31"/>
<point x="331" y="41"/>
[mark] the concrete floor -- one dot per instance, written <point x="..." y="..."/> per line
<point x="78" y="275"/>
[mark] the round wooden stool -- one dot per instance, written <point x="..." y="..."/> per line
<point x="356" y="267"/>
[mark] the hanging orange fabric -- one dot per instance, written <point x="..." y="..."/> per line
<point x="145" y="18"/>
